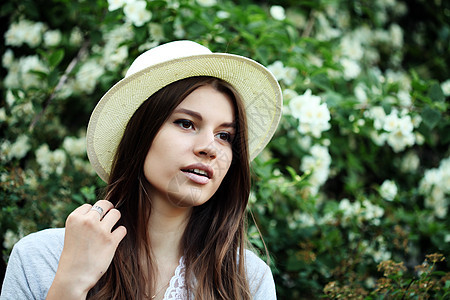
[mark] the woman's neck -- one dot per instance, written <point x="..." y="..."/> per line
<point x="166" y="228"/>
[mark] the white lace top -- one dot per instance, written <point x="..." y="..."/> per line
<point x="177" y="287"/>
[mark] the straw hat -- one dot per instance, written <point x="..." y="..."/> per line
<point x="167" y="63"/>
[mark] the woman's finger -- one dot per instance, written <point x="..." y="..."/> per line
<point x="111" y="218"/>
<point x="101" y="207"/>
<point x="118" y="234"/>
<point x="83" y="209"/>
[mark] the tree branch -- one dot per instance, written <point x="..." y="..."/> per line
<point x="60" y="83"/>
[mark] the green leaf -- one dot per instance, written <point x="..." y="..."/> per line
<point x="56" y="57"/>
<point x="53" y="78"/>
<point x="435" y="93"/>
<point x="430" y="117"/>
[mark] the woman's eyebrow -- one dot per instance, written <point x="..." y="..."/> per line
<point x="199" y="116"/>
<point x="189" y="112"/>
<point x="231" y="125"/>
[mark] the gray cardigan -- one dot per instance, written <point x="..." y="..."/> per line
<point x="34" y="260"/>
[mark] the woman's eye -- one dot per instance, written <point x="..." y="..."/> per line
<point x="225" y="136"/>
<point x="185" y="124"/>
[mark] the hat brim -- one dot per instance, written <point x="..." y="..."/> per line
<point x="256" y="85"/>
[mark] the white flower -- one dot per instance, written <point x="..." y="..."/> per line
<point x="116" y="37"/>
<point x="410" y="162"/>
<point x="2" y="114"/>
<point x="399" y="140"/>
<point x="10" y="98"/>
<point x="5" y="151"/>
<point x="437" y="202"/>
<point x="20" y="147"/>
<point x="388" y="190"/>
<point x="50" y="161"/>
<point x="372" y="212"/>
<point x="116" y="4"/>
<point x="381" y="255"/>
<point x="76" y="36"/>
<point x="304" y="219"/>
<point x="305" y="142"/>
<point x="399" y="77"/>
<point x="10" y="239"/>
<point x="120" y="55"/>
<point x="87" y="76"/>
<point x="290" y="75"/>
<point x="288" y="94"/>
<point x="223" y="14"/>
<point x="315" y="60"/>
<point x="431" y="177"/>
<point x="28" y="64"/>
<point x="24" y="31"/>
<point x="83" y="166"/>
<point x="420" y="139"/>
<point x="52" y="38"/>
<point x="404" y="97"/>
<point x="396" y="34"/>
<point x="325" y="31"/>
<point x="137" y="13"/>
<point x="277" y="12"/>
<point x="277" y="69"/>
<point x="377" y="138"/>
<point x="351" y="68"/>
<point x="179" y="31"/>
<point x="360" y="93"/>
<point x="378" y="115"/>
<point x="416" y="120"/>
<point x="391" y="122"/>
<point x="445" y="86"/>
<point x="7" y="58"/>
<point x="32" y="63"/>
<point x="381" y="36"/>
<point x="405" y="125"/>
<point x="156" y="31"/>
<point x="435" y="185"/>
<point x="207" y="3"/>
<point x="282" y="73"/>
<point x="314" y="117"/>
<point x="319" y="164"/>
<point x="351" y="48"/>
<point x="74" y="146"/>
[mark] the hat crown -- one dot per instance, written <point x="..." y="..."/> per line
<point x="166" y="52"/>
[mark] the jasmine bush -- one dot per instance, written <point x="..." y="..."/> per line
<point x="357" y="176"/>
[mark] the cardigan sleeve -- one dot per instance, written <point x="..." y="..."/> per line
<point x="260" y="279"/>
<point x="32" y="265"/>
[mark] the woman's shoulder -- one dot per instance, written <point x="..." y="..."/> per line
<point x="32" y="265"/>
<point x="45" y="243"/>
<point x="259" y="276"/>
<point x="52" y="238"/>
<point x="253" y="261"/>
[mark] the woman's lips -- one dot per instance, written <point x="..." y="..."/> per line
<point x="199" y="179"/>
<point x="198" y="173"/>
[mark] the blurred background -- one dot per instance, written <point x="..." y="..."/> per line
<point x="351" y="196"/>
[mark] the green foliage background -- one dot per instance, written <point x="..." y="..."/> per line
<point x="331" y="204"/>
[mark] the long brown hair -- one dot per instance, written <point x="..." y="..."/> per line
<point x="214" y="240"/>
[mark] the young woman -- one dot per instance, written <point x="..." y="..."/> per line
<point x="173" y="140"/>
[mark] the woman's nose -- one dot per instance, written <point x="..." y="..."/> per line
<point x="205" y="145"/>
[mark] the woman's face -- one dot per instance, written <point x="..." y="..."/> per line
<point x="192" y="152"/>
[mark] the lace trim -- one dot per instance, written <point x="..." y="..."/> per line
<point x="177" y="285"/>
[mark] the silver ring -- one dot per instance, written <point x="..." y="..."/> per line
<point x="98" y="209"/>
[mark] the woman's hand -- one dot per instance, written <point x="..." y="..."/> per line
<point x="89" y="247"/>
